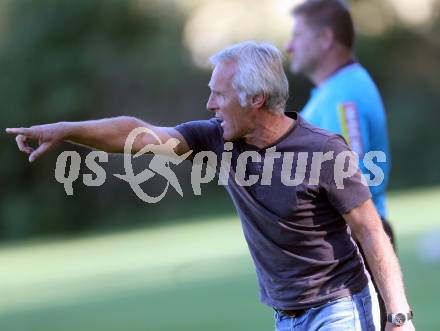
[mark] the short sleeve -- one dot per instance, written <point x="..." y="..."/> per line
<point x="344" y="191"/>
<point x="203" y="135"/>
<point x="350" y="123"/>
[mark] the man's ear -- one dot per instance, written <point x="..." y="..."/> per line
<point x="327" y="38"/>
<point x="258" y="100"/>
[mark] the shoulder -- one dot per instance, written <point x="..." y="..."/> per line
<point x="209" y="127"/>
<point x="318" y="138"/>
<point x="210" y="124"/>
<point x="314" y="131"/>
<point x="202" y="134"/>
<point x="357" y="79"/>
<point x="349" y="79"/>
<point x="352" y="84"/>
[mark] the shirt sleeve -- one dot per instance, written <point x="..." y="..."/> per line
<point x="203" y="135"/>
<point x="344" y="191"/>
<point x="350" y="124"/>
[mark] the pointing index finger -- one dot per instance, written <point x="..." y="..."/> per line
<point x="23" y="131"/>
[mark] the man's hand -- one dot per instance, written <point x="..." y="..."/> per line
<point x="47" y="136"/>
<point x="366" y="225"/>
<point x="408" y="326"/>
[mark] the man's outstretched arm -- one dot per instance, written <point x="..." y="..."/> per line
<point x="367" y="227"/>
<point x="108" y="135"/>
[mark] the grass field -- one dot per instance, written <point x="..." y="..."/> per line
<point x="194" y="276"/>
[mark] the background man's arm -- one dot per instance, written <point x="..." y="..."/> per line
<point x="108" y="135"/>
<point x="367" y="227"/>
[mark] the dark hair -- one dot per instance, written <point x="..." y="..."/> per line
<point x="329" y="13"/>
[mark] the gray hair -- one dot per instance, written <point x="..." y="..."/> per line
<point x="260" y="70"/>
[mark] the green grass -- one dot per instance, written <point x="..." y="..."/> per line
<point x="415" y="214"/>
<point x="193" y="276"/>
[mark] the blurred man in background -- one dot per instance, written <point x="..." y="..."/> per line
<point x="345" y="99"/>
<point x="308" y="267"/>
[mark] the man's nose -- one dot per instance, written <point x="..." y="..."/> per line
<point x="211" y="105"/>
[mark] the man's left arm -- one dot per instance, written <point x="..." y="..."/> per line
<point x="367" y="227"/>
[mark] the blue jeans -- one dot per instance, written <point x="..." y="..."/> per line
<point x="358" y="312"/>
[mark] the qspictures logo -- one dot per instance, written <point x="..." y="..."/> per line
<point x="206" y="165"/>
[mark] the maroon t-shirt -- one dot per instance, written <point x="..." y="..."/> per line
<point x="301" y="246"/>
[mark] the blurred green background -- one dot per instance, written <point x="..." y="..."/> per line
<point x="192" y="276"/>
<point x="104" y="260"/>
